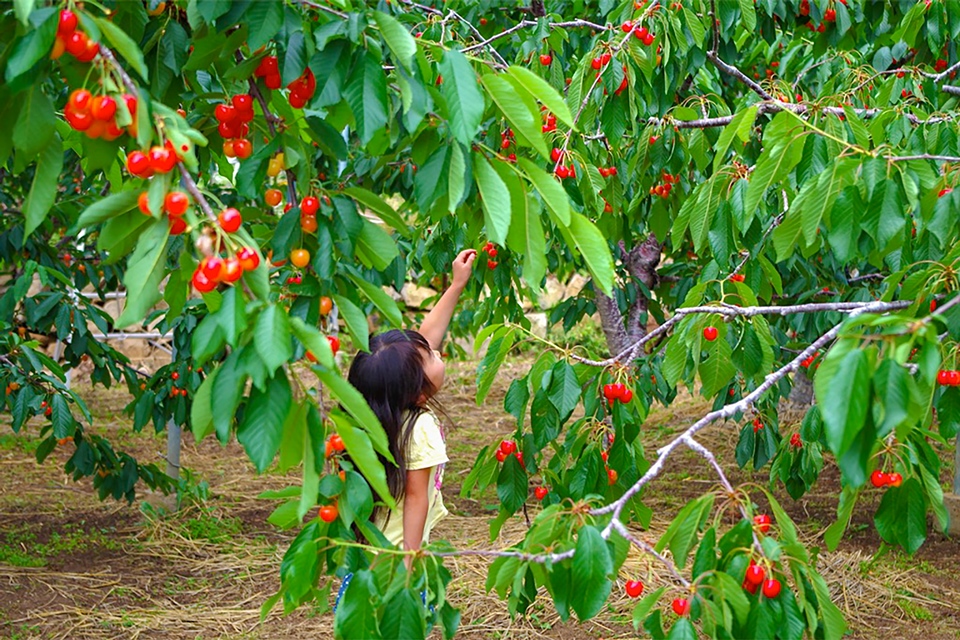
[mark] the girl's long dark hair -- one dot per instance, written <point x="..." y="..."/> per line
<point x="392" y="380"/>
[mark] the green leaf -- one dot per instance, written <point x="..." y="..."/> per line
<point x="201" y="414"/>
<point x="272" y="337"/>
<point x="32" y="47"/>
<point x="843" y="398"/>
<point x="594" y="249"/>
<point x="748" y="115"/>
<point x="748" y="14"/>
<point x="377" y="205"/>
<point x="265" y="20"/>
<point x="681" y="535"/>
<point x="495" y="199"/>
<point x="493" y="359"/>
<point x="360" y="448"/>
<point x="314" y="341"/>
<point x="550" y="190"/>
<point x="295" y="58"/>
<point x="226" y="394"/>
<point x="591" y="566"/>
<point x="892" y="397"/>
<point x="406" y="616"/>
<point x="107" y="208"/>
<point x="311" y="479"/>
<point x="718" y="369"/>
<point x="366" y="93"/>
<point x="124" y="45"/>
<point x="23" y="9"/>
<point x="36" y="123"/>
<point x="43" y="189"/>
<point x="644" y="606"/>
<point x="356" y="321"/>
<point x="524" y="122"/>
<point x="541" y="90"/>
<point x="262" y="427"/>
<point x="682" y="630"/>
<point x="356" y="617"/>
<point x="398" y="39"/>
<point x="834" y="533"/>
<point x="145" y="270"/>
<point x="380" y="300"/>
<point x="456" y="180"/>
<point x="464" y="100"/>
<point x="375" y="247"/>
<point x="357" y="406"/>
<point x="512" y="485"/>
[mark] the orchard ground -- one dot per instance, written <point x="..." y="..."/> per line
<point x="73" y="567"/>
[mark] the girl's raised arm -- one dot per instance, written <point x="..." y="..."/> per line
<point x="435" y="325"/>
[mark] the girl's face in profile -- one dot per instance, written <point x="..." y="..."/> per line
<point x="434" y="368"/>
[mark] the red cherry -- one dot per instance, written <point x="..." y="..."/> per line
<point x="202" y="283"/>
<point x="80" y="101"/>
<point x="242" y="102"/>
<point x="249" y="259"/>
<point x="508" y="446"/>
<point x="76" y="43"/>
<point x="224" y="113"/>
<point x="328" y="513"/>
<point x="161" y="160"/>
<point x="605" y="59"/>
<point x="334" y="344"/>
<point x="540" y="493"/>
<point x="67" y="24"/>
<point x="309" y="206"/>
<point x="104" y="108"/>
<point x="627" y="396"/>
<point x="943" y="377"/>
<point x="878" y="478"/>
<point x="750" y="587"/>
<point x="230" y="219"/>
<point x="627" y="26"/>
<point x="681" y="606"/>
<point x="611" y="476"/>
<point x="710" y="333"/>
<point x="944" y="192"/>
<point x="143" y="203"/>
<point x="755" y="574"/>
<point x="213" y="268"/>
<point x="608" y="392"/>
<point x="648" y="39"/>
<point x="894" y="480"/>
<point x="762" y="522"/>
<point x="519" y="456"/>
<point x="617" y="390"/>
<point x="633" y="588"/>
<point x="953" y="378"/>
<point x="232" y="269"/>
<point x="501" y="456"/>
<point x="137" y="163"/>
<point x="273" y="81"/>
<point x="771" y="588"/>
<point x="795" y="441"/>
<point x="556" y="154"/>
<point x="596" y="64"/>
<point x="562" y="172"/>
<point x="175" y="203"/>
<point x="242" y="148"/>
<point x="546" y="59"/>
<point x="830" y="15"/>
<point x="177" y="226"/>
<point x="491" y="264"/>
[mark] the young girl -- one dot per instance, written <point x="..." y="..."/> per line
<point x="398" y="377"/>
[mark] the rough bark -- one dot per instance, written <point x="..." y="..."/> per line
<point x="641" y="263"/>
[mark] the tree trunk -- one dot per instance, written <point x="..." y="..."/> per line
<point x="802" y="392"/>
<point x="641" y="263"/>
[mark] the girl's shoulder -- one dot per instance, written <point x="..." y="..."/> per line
<point x="428" y="423"/>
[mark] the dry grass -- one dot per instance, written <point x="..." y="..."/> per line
<point x="165" y="579"/>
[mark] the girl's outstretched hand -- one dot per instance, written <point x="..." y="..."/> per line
<point x="463" y="267"/>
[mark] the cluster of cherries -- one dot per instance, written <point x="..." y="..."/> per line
<point x="617" y="392"/>
<point x="880" y="479"/>
<point x="213" y="270"/>
<point x="309" y="206"/>
<point x="302" y="89"/>
<point x="175" y="390"/>
<point x="506" y="139"/>
<point x="948" y="378"/>
<point x="808" y="361"/>
<point x="757" y="424"/>
<point x="663" y="189"/>
<point x="607" y="171"/>
<point x="233" y="125"/>
<point x="157" y="159"/>
<point x="795" y="441"/>
<point x="72" y="40"/>
<point x="549" y="121"/>
<point x="756" y="576"/>
<point x="175" y="204"/>
<point x="269" y="70"/>
<point x="96" y="115"/>
<point x="640" y="33"/>
<point x="491" y="250"/>
<point x="509" y="448"/>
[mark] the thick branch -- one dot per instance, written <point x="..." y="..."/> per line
<point x="641" y="263"/>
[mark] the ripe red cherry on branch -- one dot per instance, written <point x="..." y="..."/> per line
<point x="175" y="203"/>
<point x="943" y="377"/>
<point x="771" y="588"/>
<point x="230" y="219"/>
<point x="894" y="480"/>
<point x="681" y="606"/>
<point x="508" y="446"/>
<point x="334" y="344"/>
<point x="830" y="15"/>
<point x="232" y="269"/>
<point x="540" y="493"/>
<point x="103" y="108"/>
<point x="633" y="588"/>
<point x="953" y="378"/>
<point x="491" y="264"/>
<point x="878" y="478"/>
<point x="710" y="333"/>
<point x="328" y="513"/>
<point x="201" y="283"/>
<point x="137" y="163"/>
<point x="546" y="59"/>
<point x="309" y="206"/>
<point x="249" y="259"/>
<point x="612" y="476"/>
<point x="213" y="268"/>
<point x="795" y="441"/>
<point x="754" y="574"/>
<point x="67" y="23"/>
<point x="762" y="522"/>
<point x="501" y="456"/>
